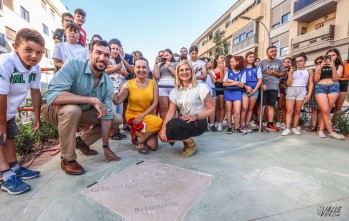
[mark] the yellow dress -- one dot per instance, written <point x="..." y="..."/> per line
<point x="140" y="99"/>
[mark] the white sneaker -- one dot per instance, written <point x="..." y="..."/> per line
<point x="252" y="125"/>
<point x="286" y="132"/>
<point x="299" y="129"/>
<point x="283" y="126"/>
<point x="337" y="136"/>
<point x="249" y="130"/>
<point x="322" y="134"/>
<point x="264" y="124"/>
<point x="219" y="127"/>
<point x="278" y="124"/>
<point x="295" y="131"/>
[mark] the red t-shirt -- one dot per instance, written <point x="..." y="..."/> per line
<point x="83" y="37"/>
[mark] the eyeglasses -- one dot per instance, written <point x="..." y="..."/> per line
<point x="318" y="62"/>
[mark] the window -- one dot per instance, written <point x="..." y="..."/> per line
<point x="25" y="14"/>
<point x="210" y="37"/>
<point x="242" y="36"/>
<point x="45" y="29"/>
<point x="249" y="34"/>
<point x="52" y="13"/>
<point x="43" y="4"/>
<point x="1" y="4"/>
<point x="2" y="40"/>
<point x="276" y="25"/>
<point x="285" y="18"/>
<point x="235" y="41"/>
<point x="47" y="53"/>
<point x="53" y="33"/>
<point x="283" y="51"/>
<point x="304" y="30"/>
<point x="227" y="24"/>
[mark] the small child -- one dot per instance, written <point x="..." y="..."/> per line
<point x="79" y="19"/>
<point x="69" y="49"/>
<point x="59" y="35"/>
<point x="234" y="80"/>
<point x="19" y="71"/>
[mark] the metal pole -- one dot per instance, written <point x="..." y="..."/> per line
<point x="261" y="111"/>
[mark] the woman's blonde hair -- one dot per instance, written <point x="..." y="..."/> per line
<point x="178" y="81"/>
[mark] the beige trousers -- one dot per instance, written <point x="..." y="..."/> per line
<point x="68" y="118"/>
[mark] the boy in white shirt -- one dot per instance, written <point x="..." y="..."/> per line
<point x="69" y="49"/>
<point x="19" y="73"/>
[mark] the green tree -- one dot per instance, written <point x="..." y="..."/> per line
<point x="221" y="44"/>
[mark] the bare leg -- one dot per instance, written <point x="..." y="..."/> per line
<point x="221" y="108"/>
<point x="152" y="142"/>
<point x="250" y="110"/>
<point x="9" y="150"/>
<point x="289" y="112"/>
<point x="3" y="162"/>
<point x="339" y="102"/>
<point x="244" y="108"/>
<point x="271" y="111"/>
<point x="163" y="102"/>
<point x="237" y="109"/>
<point x="297" y="113"/>
<point x="211" y="118"/>
<point x="325" y="103"/>
<point x="228" y="107"/>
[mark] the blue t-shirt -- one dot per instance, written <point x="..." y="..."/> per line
<point x="251" y="77"/>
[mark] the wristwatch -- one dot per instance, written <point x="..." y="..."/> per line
<point x="105" y="146"/>
<point x="196" y="117"/>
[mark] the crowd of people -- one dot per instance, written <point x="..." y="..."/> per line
<point x="98" y="87"/>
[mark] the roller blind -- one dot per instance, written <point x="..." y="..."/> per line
<point x="286" y="7"/>
<point x="276" y="15"/>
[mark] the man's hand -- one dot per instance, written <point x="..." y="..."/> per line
<point x="3" y="129"/>
<point x="264" y="87"/>
<point x="270" y="72"/>
<point x="110" y="155"/>
<point x="100" y="107"/>
<point x="36" y="124"/>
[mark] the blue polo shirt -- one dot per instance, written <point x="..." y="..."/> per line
<point x="76" y="77"/>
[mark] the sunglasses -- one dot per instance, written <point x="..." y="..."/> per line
<point x="318" y="62"/>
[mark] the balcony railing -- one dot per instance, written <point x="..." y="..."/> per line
<point x="300" y="4"/>
<point x="321" y="35"/>
<point x="245" y="43"/>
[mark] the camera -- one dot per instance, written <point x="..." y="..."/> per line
<point x="163" y="60"/>
<point x="328" y="58"/>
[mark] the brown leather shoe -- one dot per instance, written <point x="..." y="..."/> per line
<point x="72" y="167"/>
<point x="85" y="149"/>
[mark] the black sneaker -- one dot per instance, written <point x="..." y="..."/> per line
<point x="213" y="128"/>
<point x="229" y="130"/>
<point x="239" y="131"/>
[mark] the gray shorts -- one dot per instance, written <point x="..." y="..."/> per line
<point x="296" y="93"/>
<point x="12" y="130"/>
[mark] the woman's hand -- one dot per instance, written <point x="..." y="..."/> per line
<point x="162" y="135"/>
<point x="306" y="98"/>
<point x="264" y="87"/>
<point x="138" y="119"/>
<point x="248" y="89"/>
<point x="157" y="60"/>
<point x="188" y="118"/>
<point x="168" y="63"/>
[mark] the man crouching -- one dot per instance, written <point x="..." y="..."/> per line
<point x="81" y="93"/>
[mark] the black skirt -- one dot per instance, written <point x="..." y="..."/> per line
<point x="177" y="129"/>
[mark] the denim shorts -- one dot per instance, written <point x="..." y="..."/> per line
<point x="12" y="130"/>
<point x="255" y="95"/>
<point x="332" y="88"/>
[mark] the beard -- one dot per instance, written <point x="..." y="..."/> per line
<point x="97" y="68"/>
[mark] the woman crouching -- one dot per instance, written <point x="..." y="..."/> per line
<point x="195" y="104"/>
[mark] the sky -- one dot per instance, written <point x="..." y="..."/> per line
<point x="150" y="25"/>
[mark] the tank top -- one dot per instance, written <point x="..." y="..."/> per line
<point x="326" y="72"/>
<point x="218" y="75"/>
<point x="139" y="99"/>
<point x="300" y="78"/>
<point x="251" y="77"/>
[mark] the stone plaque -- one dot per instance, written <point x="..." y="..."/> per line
<point x="150" y="191"/>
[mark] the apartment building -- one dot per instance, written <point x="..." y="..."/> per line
<point x="293" y="26"/>
<point x="42" y="15"/>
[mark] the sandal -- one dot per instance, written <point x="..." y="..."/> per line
<point x="120" y="135"/>
<point x="187" y="152"/>
<point x="312" y="129"/>
<point x="142" y="150"/>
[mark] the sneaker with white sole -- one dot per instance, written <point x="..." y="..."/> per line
<point x="229" y="130"/>
<point x="299" y="129"/>
<point x="14" y="185"/>
<point x="286" y="132"/>
<point x="219" y="127"/>
<point x="25" y="173"/>
<point x="252" y="126"/>
<point x="336" y="136"/>
<point x="322" y="134"/>
<point x="295" y="131"/>
<point x="249" y="130"/>
<point x="278" y="124"/>
<point x="283" y="126"/>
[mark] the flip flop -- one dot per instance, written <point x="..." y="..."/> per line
<point x="142" y="150"/>
<point x="115" y="138"/>
<point x="120" y="135"/>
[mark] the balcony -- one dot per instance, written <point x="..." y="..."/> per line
<point x="310" y="10"/>
<point x="245" y="44"/>
<point x="322" y="37"/>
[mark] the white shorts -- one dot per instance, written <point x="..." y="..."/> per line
<point x="164" y="92"/>
<point x="296" y="93"/>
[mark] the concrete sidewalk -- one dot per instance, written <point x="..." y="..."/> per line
<point x="255" y="177"/>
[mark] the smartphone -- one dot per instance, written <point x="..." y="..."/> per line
<point x="293" y="63"/>
<point x="328" y="58"/>
<point x="117" y="60"/>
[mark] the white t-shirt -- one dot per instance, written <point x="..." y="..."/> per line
<point x="117" y="79"/>
<point x="209" y="80"/>
<point x="16" y="80"/>
<point x="190" y="100"/>
<point x="64" y="51"/>
<point x="197" y="66"/>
